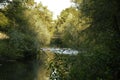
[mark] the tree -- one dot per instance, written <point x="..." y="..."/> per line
<point x="3" y="21"/>
<point x="28" y="29"/>
<point x="100" y="40"/>
<point x="70" y="25"/>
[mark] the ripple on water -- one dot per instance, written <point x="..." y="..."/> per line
<point x="61" y="50"/>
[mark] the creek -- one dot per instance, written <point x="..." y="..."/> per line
<point x="29" y="70"/>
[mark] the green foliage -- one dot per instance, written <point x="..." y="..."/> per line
<point x="100" y="41"/>
<point x="95" y="31"/>
<point x="29" y="29"/>
<point x="3" y="47"/>
<point x="92" y="26"/>
<point x="3" y="21"/>
<point x="70" y="25"/>
<point x="92" y="65"/>
<point x="60" y="66"/>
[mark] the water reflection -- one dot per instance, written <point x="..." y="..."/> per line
<point x="32" y="70"/>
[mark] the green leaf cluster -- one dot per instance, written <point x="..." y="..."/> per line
<point x="28" y="26"/>
<point x="93" y="27"/>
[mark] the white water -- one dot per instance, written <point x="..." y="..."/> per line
<point x="61" y="50"/>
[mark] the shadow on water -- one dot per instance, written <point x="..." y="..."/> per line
<point x="22" y="71"/>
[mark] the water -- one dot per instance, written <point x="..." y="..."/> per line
<point x="61" y="50"/>
<point x="22" y="71"/>
<point x="29" y="70"/>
